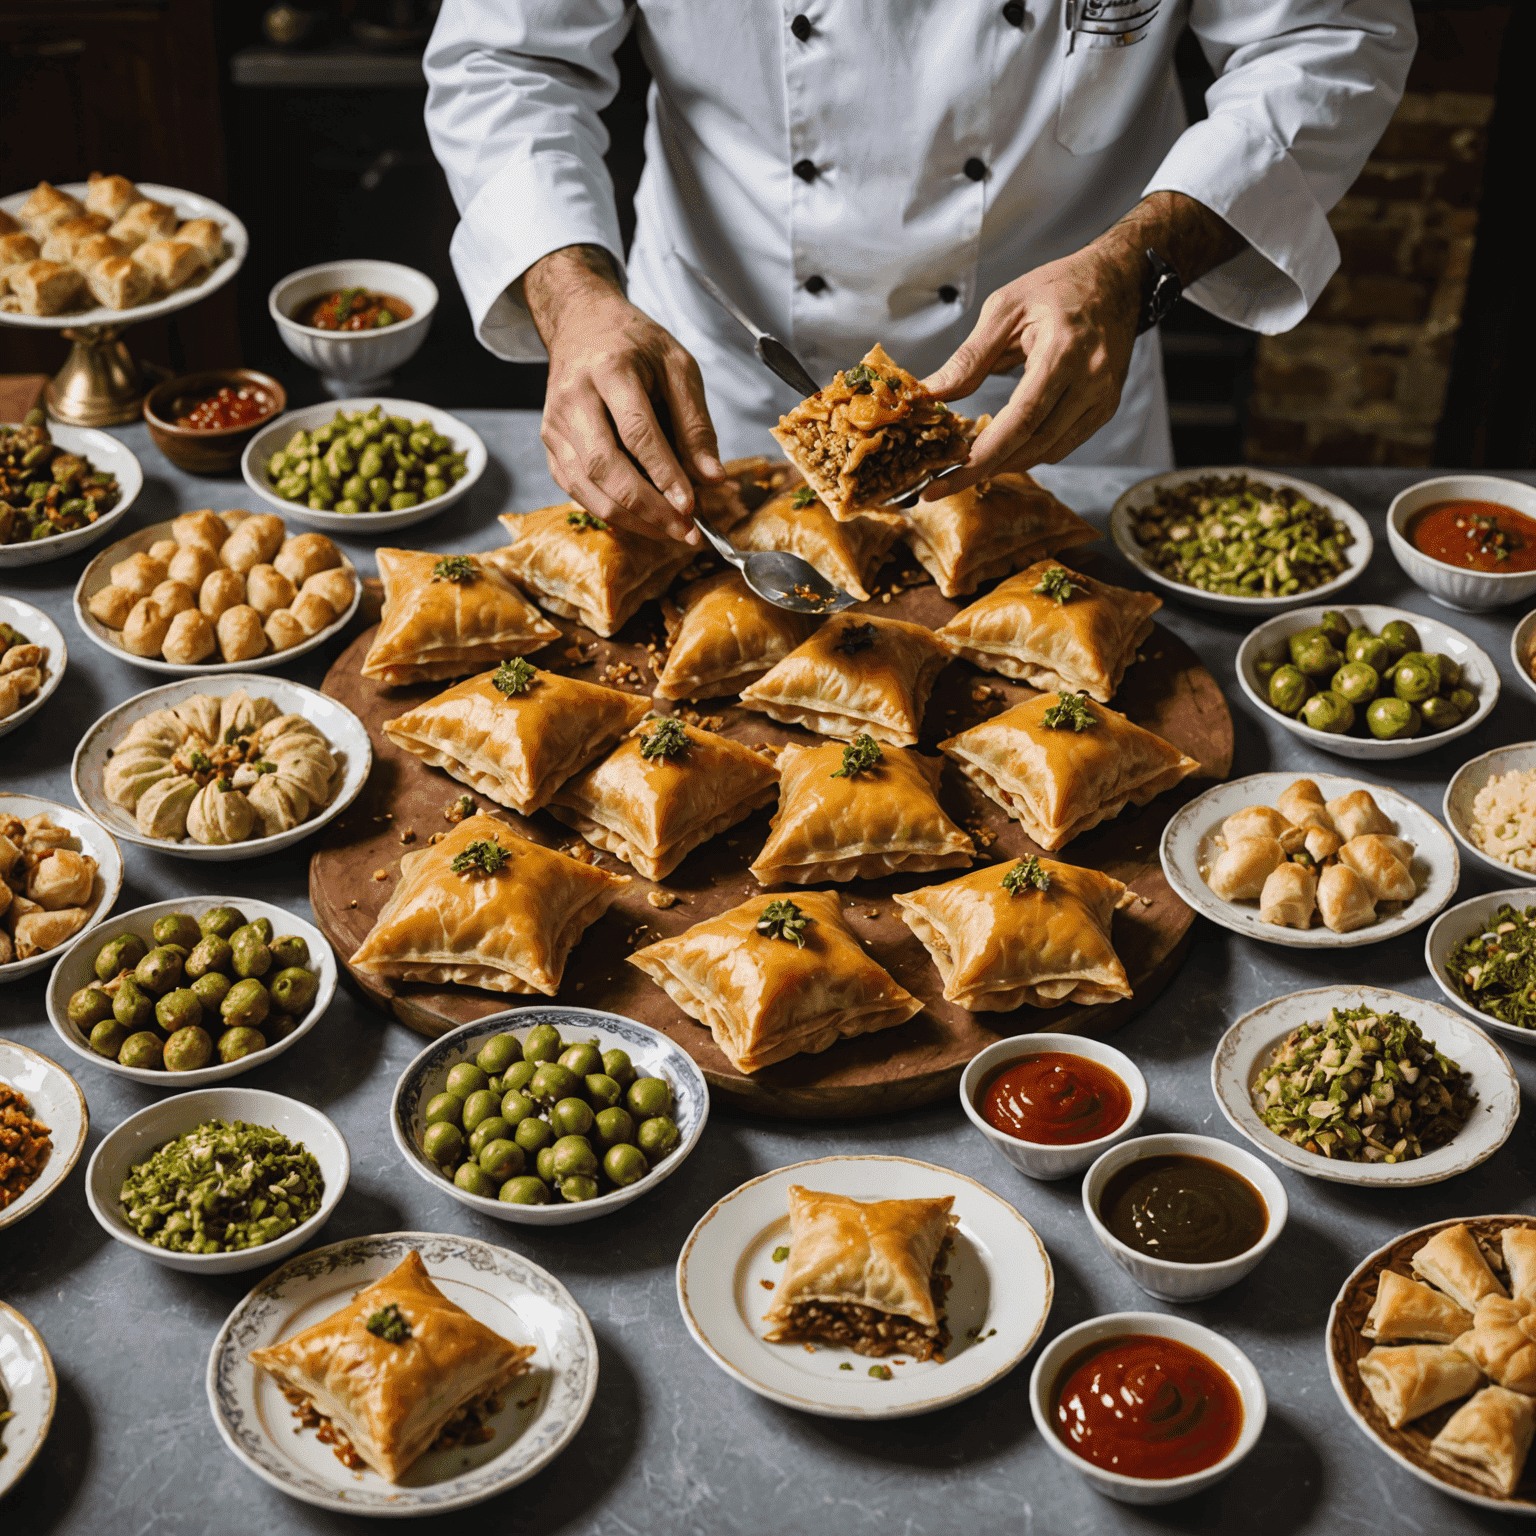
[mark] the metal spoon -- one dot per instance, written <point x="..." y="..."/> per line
<point x="784" y="580"/>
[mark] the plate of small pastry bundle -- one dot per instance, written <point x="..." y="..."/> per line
<point x="1312" y="863"/>
<point x="864" y="1287"/>
<point x="1429" y="1348"/>
<point x="404" y="1374"/>
<point x="32" y="661"/>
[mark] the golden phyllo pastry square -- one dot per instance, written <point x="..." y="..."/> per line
<point x="858" y="813"/>
<point x="855" y="675"/>
<point x="871" y="435"/>
<point x="747" y="485"/>
<point x="774" y="978"/>
<point x="664" y="790"/>
<point x="445" y="615"/>
<point x="864" y="1274"/>
<point x="518" y="733"/>
<point x="1060" y="764"/>
<point x="584" y="568"/>
<point x="722" y="636"/>
<point x="1033" y="931"/>
<point x="847" y="553"/>
<point x="1051" y="628"/>
<point x="487" y="908"/>
<point x="395" y="1366"/>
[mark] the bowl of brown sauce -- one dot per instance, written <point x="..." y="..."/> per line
<point x="1147" y="1407"/>
<point x="1184" y="1216"/>
<point x="201" y="422"/>
<point x="1051" y="1104"/>
<point x="1468" y="540"/>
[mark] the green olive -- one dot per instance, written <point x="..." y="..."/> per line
<point x="618" y="1066"/>
<point x="294" y="989"/>
<point x="648" y="1096"/>
<point x="474" y="1180"/>
<point x="601" y="1090"/>
<point x="246" y="1003"/>
<point x="489" y="1130"/>
<point x="221" y="920"/>
<point x="657" y="1136"/>
<point x="133" y="1007"/>
<point x="625" y="1164"/>
<point x="533" y="1135"/>
<point x="583" y="1060"/>
<point x="176" y="928"/>
<point x="181" y="1009"/>
<point x="289" y="950"/>
<point x="443" y="1143"/>
<point x="1265" y="670"/>
<point x="1422" y="659"/>
<point x="571" y="1117"/>
<point x="188" y="1049"/>
<point x="542" y="1043"/>
<point x="517" y="1106"/>
<point x="1450" y="671"/>
<point x="495" y="1085"/>
<point x="553" y="1082"/>
<point x="142" y="1050"/>
<point x="1439" y="713"/>
<point x="88" y="1007"/>
<point x="544" y="1163"/>
<point x="212" y="988"/>
<point x="502" y="1159"/>
<point x="160" y="970"/>
<point x="279" y="1025"/>
<point x="1370" y="649"/>
<point x="612" y="1127"/>
<point x="498" y="1053"/>
<point x="482" y="1104"/>
<point x="250" y="953"/>
<point x="209" y="954"/>
<point x="577" y="1187"/>
<point x="1400" y="637"/>
<point x="519" y="1075"/>
<point x="119" y="954"/>
<point x="1414" y="682"/>
<point x="239" y="1042"/>
<point x="574" y="1157"/>
<point x="1356" y="681"/>
<point x="1335" y="626"/>
<point x="1328" y="711"/>
<point x="1289" y="689"/>
<point x="1316" y="655"/>
<point x="524" y="1191"/>
<point x="1392" y="719"/>
<point x="464" y="1078"/>
<point x="263" y="927"/>
<point x="107" y="1038"/>
<point x="1464" y="700"/>
<point x="447" y="1107"/>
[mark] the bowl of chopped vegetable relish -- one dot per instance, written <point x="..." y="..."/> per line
<point x="1482" y="954"/>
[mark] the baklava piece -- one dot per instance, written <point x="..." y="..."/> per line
<point x="721" y="636"/>
<point x="847" y="553"/>
<point x="747" y="485"/>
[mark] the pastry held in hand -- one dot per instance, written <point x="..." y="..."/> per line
<point x="1406" y="1309"/>
<point x="859" y="812"/>
<point x="864" y="1274"/>
<point x="1034" y="932"/>
<point x="1503" y="1341"/>
<point x="847" y="553"/>
<point x="775" y="977"/>
<point x="721" y="637"/>
<point x="1409" y="1380"/>
<point x="506" y="919"/>
<point x="1488" y="1438"/>
<point x="1452" y="1261"/>
<point x="1289" y="897"/>
<point x="392" y="1387"/>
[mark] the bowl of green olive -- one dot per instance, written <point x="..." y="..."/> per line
<point x="1368" y="681"/>
<point x="549" y="1116"/>
<point x="185" y="993"/>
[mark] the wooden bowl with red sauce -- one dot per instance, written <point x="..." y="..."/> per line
<point x="1468" y="540"/>
<point x="201" y="422"/>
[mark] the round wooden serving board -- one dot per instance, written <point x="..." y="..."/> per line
<point x="1168" y="691"/>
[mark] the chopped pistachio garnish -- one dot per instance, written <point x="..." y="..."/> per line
<point x="263" y="766"/>
<point x="225" y="785"/>
<point x="804" y="497"/>
<point x="880" y="1372"/>
<point x="783" y="920"/>
<point x="389" y="1323"/>
<point x="780" y="1253"/>
<point x="455" y="568"/>
<point x="1057" y="582"/>
<point x="1494" y="971"/>
<point x="845" y="1366"/>
<point x="514" y="677"/>
<point x="456" y="810"/>
<point x="236" y="733"/>
<point x="487" y="856"/>
<point x="668" y="739"/>
<point x="861" y="376"/>
<point x="585" y="520"/>
<point x="1068" y="713"/>
<point x="1025" y="874"/>
<point x="862" y="753"/>
<point x="856" y="638"/>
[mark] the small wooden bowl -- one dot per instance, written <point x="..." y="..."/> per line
<point x="214" y="452"/>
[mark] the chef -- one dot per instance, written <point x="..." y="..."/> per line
<point x="1005" y="195"/>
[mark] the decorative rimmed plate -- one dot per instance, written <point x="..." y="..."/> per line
<point x="1122" y="529"/>
<point x="98" y="574"/>
<point x="40" y="630"/>
<point x="1001" y="1297"/>
<point x="1246" y="1048"/>
<point x="105" y="453"/>
<point x="89" y="837"/>
<point x="1461" y="922"/>
<point x="56" y="1100"/>
<point x="1346" y="1346"/>
<point x="77" y="969"/>
<point x="650" y="1051"/>
<point x="500" y="1288"/>
<point x="1462" y="791"/>
<point x="253" y="465"/>
<point x="344" y="732"/>
<point x="1188" y="849"/>
<point x="1268" y="643"/>
<point x="33" y="1391"/>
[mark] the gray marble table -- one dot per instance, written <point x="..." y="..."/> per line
<point x="673" y="1445"/>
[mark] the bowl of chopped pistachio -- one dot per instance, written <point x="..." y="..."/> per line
<point x="1482" y="954"/>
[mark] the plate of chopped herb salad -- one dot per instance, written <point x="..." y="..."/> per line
<point x="1360" y="1085"/>
<point x="1240" y="543"/>
<point x="1482" y="954"/>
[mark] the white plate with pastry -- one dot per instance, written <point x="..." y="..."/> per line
<point x="143" y="775"/>
<point x="52" y="1097"/>
<point x="147" y="276"/>
<point x="284" y="594"/>
<point x="1255" y="1046"/>
<point x="916" y="1344"/>
<point x="29" y="1392"/>
<point x="21" y="699"/>
<point x="1382" y="890"/>
<point x="524" y="1340"/>
<point x="107" y="456"/>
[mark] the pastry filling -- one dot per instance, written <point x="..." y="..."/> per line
<point x="870" y="469"/>
<point x="468" y="1426"/>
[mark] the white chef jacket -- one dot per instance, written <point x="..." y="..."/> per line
<point x="854" y="171"/>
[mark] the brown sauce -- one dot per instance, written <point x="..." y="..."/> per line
<point x="1189" y="1210"/>
<point x="352" y="309"/>
<point x="1475" y="536"/>
<point x="1054" y="1099"/>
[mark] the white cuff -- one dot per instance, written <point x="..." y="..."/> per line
<point x="1258" y="188"/>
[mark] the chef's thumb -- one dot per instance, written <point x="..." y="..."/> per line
<point x="971" y="363"/>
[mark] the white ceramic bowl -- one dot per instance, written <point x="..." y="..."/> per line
<point x="1461" y="922"/>
<point x="1246" y="1048"/>
<point x="1462" y="791"/>
<point x="1143" y="1490"/>
<point x="140" y="1135"/>
<point x="33" y="1389"/>
<point x="56" y="1100"/>
<point x="359" y="359"/>
<point x="1122" y="520"/>
<point x="40" y="630"/>
<point x="652" y="1053"/>
<point x="77" y="970"/>
<point x="1466" y="591"/>
<point x="1038" y="1159"/>
<point x="1522" y="650"/>
<point x="105" y="453"/>
<point x="253" y="465"/>
<point x="89" y="837"/>
<point x="98" y="574"/>
<point x="1188" y="849"/>
<point x="1268" y="642"/>
<point x="1163" y="1278"/>
<point x="347" y="735"/>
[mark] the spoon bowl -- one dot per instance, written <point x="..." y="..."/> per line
<point x="782" y="579"/>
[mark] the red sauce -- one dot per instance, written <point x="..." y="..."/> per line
<point x="1475" y="536"/>
<point x="1055" y="1100"/>
<point x="353" y="309"/>
<point x="228" y="407"/>
<point x="1147" y="1407"/>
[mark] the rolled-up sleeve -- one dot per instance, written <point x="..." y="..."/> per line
<point x="514" y="88"/>
<point x="1304" y="89"/>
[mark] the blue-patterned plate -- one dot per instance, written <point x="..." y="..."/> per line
<point x="502" y="1289"/>
<point x="652" y="1053"/>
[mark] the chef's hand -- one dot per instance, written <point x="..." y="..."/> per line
<point x="625" y="423"/>
<point x="1071" y="323"/>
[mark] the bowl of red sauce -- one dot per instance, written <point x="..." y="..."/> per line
<point x="201" y="422"/>
<point x="1051" y="1104"/>
<point x="1468" y="540"/>
<point x="1147" y="1407"/>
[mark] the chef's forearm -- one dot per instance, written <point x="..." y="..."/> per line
<point x="564" y="278"/>
<point x="1182" y="231"/>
